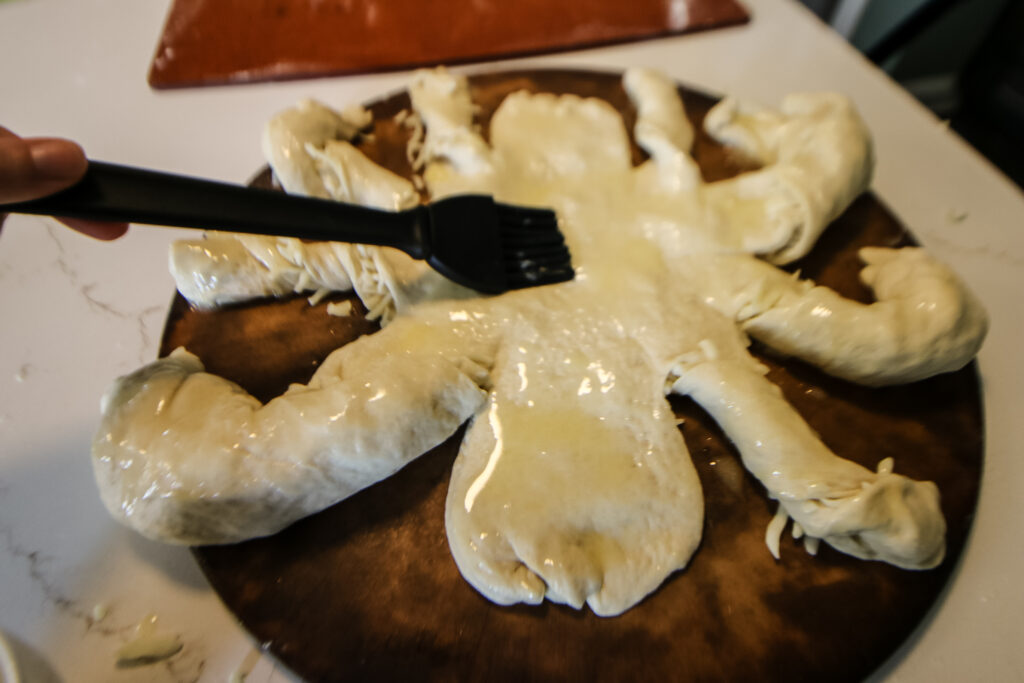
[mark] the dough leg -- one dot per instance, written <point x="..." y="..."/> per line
<point x="923" y="323"/>
<point x="183" y="456"/>
<point x="871" y="515"/>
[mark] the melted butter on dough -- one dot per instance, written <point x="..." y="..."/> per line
<point x="573" y="482"/>
<point x="819" y="159"/>
<point x="571" y="485"/>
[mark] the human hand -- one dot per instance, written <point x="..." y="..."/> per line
<point x="35" y="167"/>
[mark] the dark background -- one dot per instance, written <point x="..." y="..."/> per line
<point x="963" y="59"/>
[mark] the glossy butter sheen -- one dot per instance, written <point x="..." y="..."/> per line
<point x="573" y="482"/>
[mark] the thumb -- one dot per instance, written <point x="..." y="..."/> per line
<point x="35" y="167"/>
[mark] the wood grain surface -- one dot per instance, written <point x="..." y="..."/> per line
<point x="367" y="590"/>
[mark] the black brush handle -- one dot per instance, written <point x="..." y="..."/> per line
<point x="111" y="192"/>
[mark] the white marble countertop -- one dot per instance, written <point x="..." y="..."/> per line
<point x="76" y="313"/>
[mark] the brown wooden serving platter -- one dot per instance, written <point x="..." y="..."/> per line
<point x="367" y="590"/>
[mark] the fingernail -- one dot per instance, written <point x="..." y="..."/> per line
<point x="57" y="159"/>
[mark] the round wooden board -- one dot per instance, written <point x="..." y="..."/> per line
<point x="367" y="590"/>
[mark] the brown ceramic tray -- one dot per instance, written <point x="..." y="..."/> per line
<point x="238" y="41"/>
<point x="367" y="590"/>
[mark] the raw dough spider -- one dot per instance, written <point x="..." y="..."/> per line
<point x="573" y="482"/>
